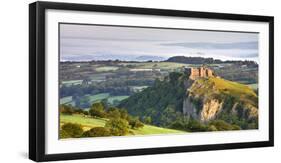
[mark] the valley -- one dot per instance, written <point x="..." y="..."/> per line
<point x="177" y="95"/>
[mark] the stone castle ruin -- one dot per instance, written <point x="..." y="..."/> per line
<point x="200" y="72"/>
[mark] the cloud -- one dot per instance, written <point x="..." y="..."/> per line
<point x="209" y="46"/>
<point x="109" y="39"/>
<point x="80" y="42"/>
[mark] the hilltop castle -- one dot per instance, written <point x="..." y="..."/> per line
<point x="200" y="72"/>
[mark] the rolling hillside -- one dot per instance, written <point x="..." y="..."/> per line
<point x="88" y="123"/>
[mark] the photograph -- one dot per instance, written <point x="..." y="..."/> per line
<point x="117" y="80"/>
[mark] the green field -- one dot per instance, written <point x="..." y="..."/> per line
<point x="88" y="123"/>
<point x="72" y="82"/>
<point x="155" y="65"/>
<point x="107" y="68"/>
<point x="116" y="98"/>
<point x="66" y="100"/>
<point x="97" y="97"/>
<point x="93" y="98"/>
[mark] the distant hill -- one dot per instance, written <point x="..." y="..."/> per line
<point x="193" y="60"/>
<point x="149" y="58"/>
<point x="201" y="60"/>
<point x="112" y="57"/>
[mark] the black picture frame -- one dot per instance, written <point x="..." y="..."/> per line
<point x="37" y="80"/>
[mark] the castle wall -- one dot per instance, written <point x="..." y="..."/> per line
<point x="200" y="72"/>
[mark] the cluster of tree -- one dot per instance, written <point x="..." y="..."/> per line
<point x="113" y="127"/>
<point x="162" y="102"/>
<point x="193" y="125"/>
<point x="81" y="90"/>
<point x="98" y="110"/>
<point x="118" y="123"/>
<point x="69" y="110"/>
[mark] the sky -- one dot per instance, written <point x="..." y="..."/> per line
<point x="92" y="42"/>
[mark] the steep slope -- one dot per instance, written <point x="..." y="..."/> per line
<point x="217" y="98"/>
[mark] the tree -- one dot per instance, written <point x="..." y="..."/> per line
<point x="212" y="128"/>
<point x="72" y="130"/>
<point x="96" y="132"/>
<point x="64" y="134"/>
<point x="196" y="126"/>
<point x="85" y="112"/>
<point x="135" y="123"/>
<point x="66" y="109"/>
<point x="221" y="125"/>
<point x="113" y="112"/>
<point x="97" y="110"/>
<point x="178" y="125"/>
<point x="124" y="114"/>
<point x="117" y="126"/>
<point x="147" y="119"/>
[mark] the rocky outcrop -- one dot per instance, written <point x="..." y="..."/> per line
<point x="210" y="110"/>
<point x="208" y="98"/>
<point x="246" y="111"/>
<point x="189" y="109"/>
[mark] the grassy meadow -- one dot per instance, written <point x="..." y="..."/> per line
<point x="89" y="122"/>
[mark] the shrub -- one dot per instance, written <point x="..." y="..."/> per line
<point x="97" y="110"/>
<point x="117" y="126"/>
<point x="147" y="120"/>
<point x="64" y="134"/>
<point x="178" y="125"/>
<point x="221" y="125"/>
<point x="235" y="127"/>
<point x="113" y="112"/>
<point x="123" y="114"/>
<point x="66" y="109"/>
<point x="79" y="111"/>
<point x="85" y="112"/>
<point x="195" y="126"/>
<point x="96" y="132"/>
<point x="135" y="123"/>
<point x="73" y="130"/>
<point x="212" y="128"/>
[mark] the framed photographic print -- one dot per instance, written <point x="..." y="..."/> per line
<point x="111" y="81"/>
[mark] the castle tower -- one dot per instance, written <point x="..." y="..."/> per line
<point x="200" y="72"/>
<point x="209" y="73"/>
<point x="195" y="73"/>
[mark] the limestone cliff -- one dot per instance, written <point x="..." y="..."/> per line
<point x="189" y="108"/>
<point x="208" y="98"/>
<point x="210" y="110"/>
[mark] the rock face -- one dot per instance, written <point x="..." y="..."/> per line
<point x="200" y="72"/>
<point x="189" y="108"/>
<point x="210" y="110"/>
<point x="208" y="96"/>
